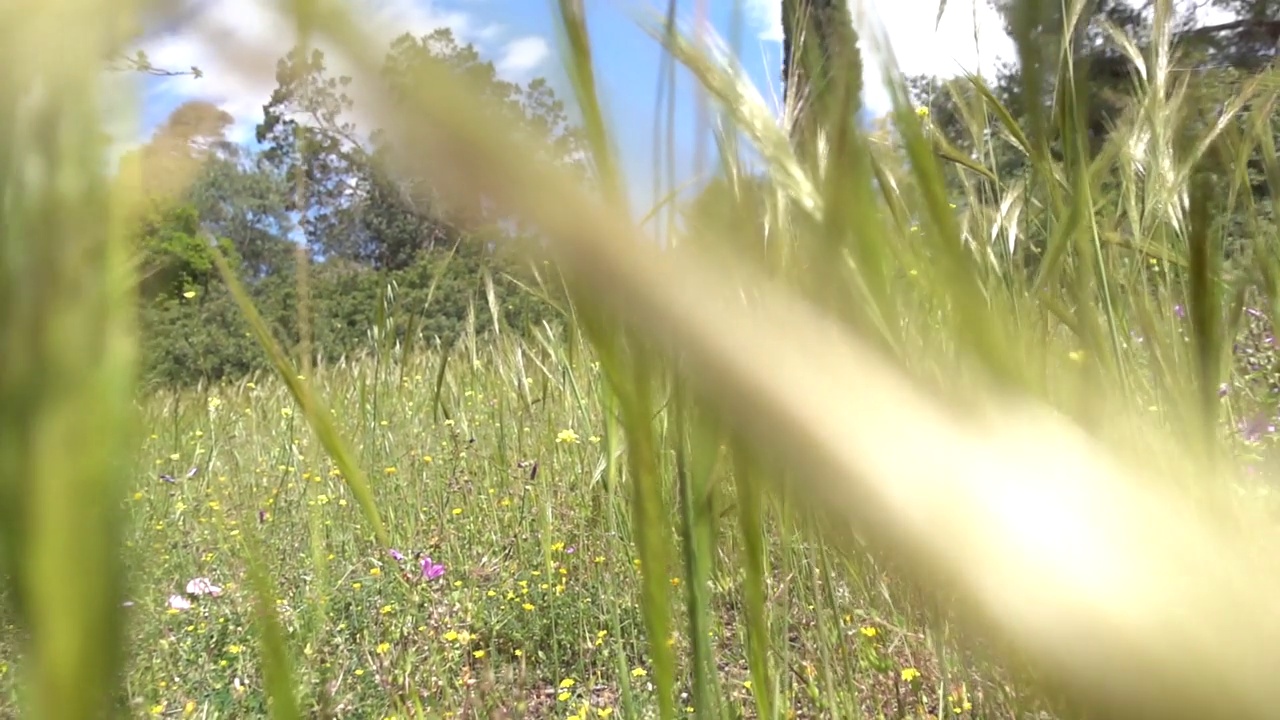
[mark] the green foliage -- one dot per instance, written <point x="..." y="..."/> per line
<point x="389" y="258"/>
<point x="205" y="338"/>
<point x="540" y="572"/>
<point x="189" y="339"/>
<point x="176" y="255"/>
<point x="238" y="197"/>
<point x="309" y="141"/>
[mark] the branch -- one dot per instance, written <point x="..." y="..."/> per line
<point x="1270" y="27"/>
<point x="140" y="63"/>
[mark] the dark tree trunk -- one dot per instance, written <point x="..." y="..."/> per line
<point x="821" y="64"/>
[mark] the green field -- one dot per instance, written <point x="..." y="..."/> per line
<point x="504" y="476"/>
<point x="965" y="412"/>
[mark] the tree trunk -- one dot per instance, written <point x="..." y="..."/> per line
<point x="821" y="65"/>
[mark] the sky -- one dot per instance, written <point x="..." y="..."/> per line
<point x="519" y="36"/>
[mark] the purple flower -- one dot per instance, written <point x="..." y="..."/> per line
<point x="431" y="570"/>
<point x="396" y="554"/>
<point x="1254" y="429"/>
<point x="1177" y="310"/>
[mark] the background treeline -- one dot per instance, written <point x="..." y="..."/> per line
<point x="382" y="248"/>
<point x="386" y="260"/>
<point x="1216" y="61"/>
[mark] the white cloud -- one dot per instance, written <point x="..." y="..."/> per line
<point x="215" y="39"/>
<point x="522" y="55"/>
<point x="490" y="33"/>
<point x="969" y="38"/>
<point x="766" y="15"/>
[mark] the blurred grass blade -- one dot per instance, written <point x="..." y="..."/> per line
<point x="750" y="525"/>
<point x="277" y="667"/>
<point x="67" y="359"/>
<point x="649" y="527"/>
<point x="1204" y="304"/>
<point x="1007" y="123"/>
<point x="630" y="381"/>
<point x="695" y="457"/>
<point x="318" y="416"/>
<point x="580" y="67"/>
<point x="727" y="83"/>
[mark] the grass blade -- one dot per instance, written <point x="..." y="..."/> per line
<point x="317" y="415"/>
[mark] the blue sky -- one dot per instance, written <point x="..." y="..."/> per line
<point x="520" y="37"/>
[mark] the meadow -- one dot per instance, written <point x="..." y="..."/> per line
<point x="510" y="588"/>
<point x="500" y="476"/>
<point x="966" y="414"/>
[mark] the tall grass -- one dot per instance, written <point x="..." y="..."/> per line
<point x="888" y="463"/>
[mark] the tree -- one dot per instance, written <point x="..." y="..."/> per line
<point x="309" y="140"/>
<point x="354" y="199"/>
<point x="821" y="66"/>
<point x="401" y="219"/>
<point x="240" y="198"/>
<point x="175" y="250"/>
<point x="1247" y="44"/>
<point x="192" y="135"/>
<point x="175" y="255"/>
<point x="368" y="225"/>
<point x="533" y="106"/>
<point x="1211" y="65"/>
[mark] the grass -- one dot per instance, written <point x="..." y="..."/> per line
<point x="883" y="465"/>
<point x="515" y="492"/>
